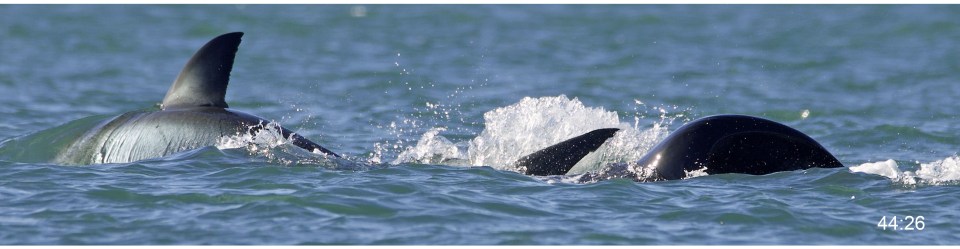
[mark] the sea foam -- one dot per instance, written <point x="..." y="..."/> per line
<point x="532" y="124"/>
<point x="945" y="171"/>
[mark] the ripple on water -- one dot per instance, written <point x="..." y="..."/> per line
<point x="878" y="82"/>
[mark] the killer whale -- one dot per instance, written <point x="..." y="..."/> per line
<point x="193" y="114"/>
<point x="559" y="158"/>
<point x="716" y="145"/>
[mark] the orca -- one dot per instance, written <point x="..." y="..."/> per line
<point x="718" y="144"/>
<point x="559" y="158"/>
<point x="193" y="114"/>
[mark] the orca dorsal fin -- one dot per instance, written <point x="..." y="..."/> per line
<point x="203" y="81"/>
<point x="559" y="158"/>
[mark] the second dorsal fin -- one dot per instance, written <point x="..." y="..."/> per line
<point x="203" y="81"/>
<point x="559" y="158"/>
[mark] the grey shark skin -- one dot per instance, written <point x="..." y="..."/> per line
<point x="720" y="144"/>
<point x="193" y="114"/>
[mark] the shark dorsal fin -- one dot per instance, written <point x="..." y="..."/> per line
<point x="203" y="81"/>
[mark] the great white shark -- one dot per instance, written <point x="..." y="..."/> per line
<point x="193" y="114"/>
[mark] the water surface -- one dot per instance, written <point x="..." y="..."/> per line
<point x="403" y="92"/>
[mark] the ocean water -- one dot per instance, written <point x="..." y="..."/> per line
<point x="428" y="103"/>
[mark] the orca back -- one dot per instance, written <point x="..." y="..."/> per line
<point x="735" y="144"/>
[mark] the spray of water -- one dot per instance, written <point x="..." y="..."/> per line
<point x="940" y="172"/>
<point x="532" y="124"/>
<point x="267" y="140"/>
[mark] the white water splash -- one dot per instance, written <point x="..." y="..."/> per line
<point x="431" y="149"/>
<point x="267" y="140"/>
<point x="886" y="168"/>
<point x="696" y="173"/>
<point x="267" y="136"/>
<point x="627" y="145"/>
<point x="531" y="125"/>
<point x="938" y="172"/>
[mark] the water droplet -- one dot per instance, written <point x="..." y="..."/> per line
<point x="358" y="11"/>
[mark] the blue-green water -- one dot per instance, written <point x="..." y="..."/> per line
<point x="402" y="91"/>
